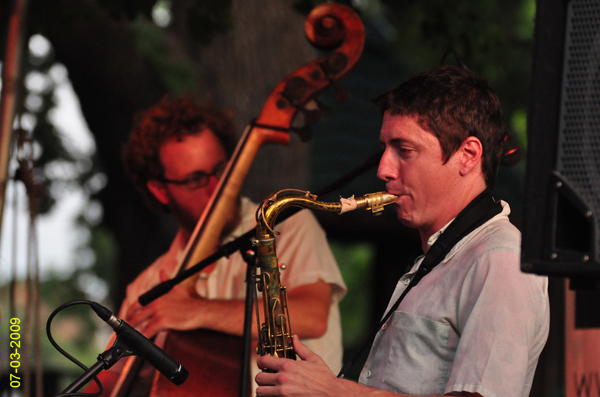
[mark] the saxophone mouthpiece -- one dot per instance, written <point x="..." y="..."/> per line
<point x="372" y="201"/>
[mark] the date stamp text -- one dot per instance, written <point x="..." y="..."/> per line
<point x="15" y="356"/>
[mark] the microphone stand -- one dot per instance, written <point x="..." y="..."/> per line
<point x="250" y="258"/>
<point x="105" y="360"/>
<point x="243" y="245"/>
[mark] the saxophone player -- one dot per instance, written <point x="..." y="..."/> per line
<point x="471" y="323"/>
<point x="175" y="156"/>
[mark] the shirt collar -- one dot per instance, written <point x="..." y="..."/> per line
<point x="504" y="214"/>
<point x="433" y="238"/>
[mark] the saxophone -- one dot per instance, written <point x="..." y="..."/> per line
<point x="275" y="333"/>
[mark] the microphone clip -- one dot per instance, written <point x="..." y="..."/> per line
<point x="118" y="350"/>
<point x="121" y="348"/>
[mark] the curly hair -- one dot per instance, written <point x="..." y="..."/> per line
<point x="170" y="118"/>
<point x="453" y="103"/>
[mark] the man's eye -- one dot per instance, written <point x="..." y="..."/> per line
<point x="197" y="177"/>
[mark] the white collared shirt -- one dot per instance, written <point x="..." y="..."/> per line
<point x="475" y="324"/>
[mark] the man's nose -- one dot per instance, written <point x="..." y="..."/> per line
<point x="386" y="171"/>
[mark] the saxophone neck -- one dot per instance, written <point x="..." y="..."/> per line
<point x="273" y="205"/>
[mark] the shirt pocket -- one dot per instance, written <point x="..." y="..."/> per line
<point x="420" y="356"/>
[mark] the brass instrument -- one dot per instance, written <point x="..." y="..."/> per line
<point x="275" y="334"/>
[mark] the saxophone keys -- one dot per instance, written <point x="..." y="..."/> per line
<point x="274" y="303"/>
<point x="279" y="320"/>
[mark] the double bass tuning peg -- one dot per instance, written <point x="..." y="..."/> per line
<point x="335" y="63"/>
<point x="311" y="112"/>
<point x="328" y="32"/>
<point x="314" y="110"/>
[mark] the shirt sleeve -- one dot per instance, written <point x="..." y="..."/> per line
<point x="302" y="246"/>
<point x="501" y="312"/>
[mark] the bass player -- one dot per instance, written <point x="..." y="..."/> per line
<point x="175" y="156"/>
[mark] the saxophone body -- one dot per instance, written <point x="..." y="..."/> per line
<point x="275" y="333"/>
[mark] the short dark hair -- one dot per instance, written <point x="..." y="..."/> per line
<point x="453" y="103"/>
<point x="170" y="118"/>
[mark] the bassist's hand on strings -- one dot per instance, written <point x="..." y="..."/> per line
<point x="148" y="279"/>
<point x="169" y="312"/>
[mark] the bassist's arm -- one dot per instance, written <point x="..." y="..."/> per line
<point x="308" y="304"/>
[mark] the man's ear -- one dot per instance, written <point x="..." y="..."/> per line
<point x="159" y="190"/>
<point x="471" y="150"/>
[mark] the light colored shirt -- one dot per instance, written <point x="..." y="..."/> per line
<point x="475" y="324"/>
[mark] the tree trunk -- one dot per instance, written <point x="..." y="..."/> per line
<point x="241" y="68"/>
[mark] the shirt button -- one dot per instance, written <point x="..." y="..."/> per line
<point x="407" y="281"/>
<point x="368" y="374"/>
<point x="384" y="326"/>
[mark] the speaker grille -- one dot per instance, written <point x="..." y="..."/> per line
<point x="578" y="157"/>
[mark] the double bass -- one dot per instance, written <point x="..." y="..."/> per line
<point x="213" y="359"/>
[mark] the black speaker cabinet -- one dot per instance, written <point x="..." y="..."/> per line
<point x="561" y="216"/>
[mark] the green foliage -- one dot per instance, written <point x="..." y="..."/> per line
<point x="104" y="246"/>
<point x="518" y="123"/>
<point x="208" y="18"/>
<point x="57" y="291"/>
<point x="73" y="329"/>
<point x="203" y="20"/>
<point x="355" y="262"/>
<point x="177" y="74"/>
<point x="304" y="7"/>
<point x="127" y="9"/>
<point x="494" y="38"/>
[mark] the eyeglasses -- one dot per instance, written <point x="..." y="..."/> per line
<point x="198" y="179"/>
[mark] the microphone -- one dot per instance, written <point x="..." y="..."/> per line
<point x="156" y="356"/>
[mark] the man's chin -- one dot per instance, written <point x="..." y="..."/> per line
<point x="406" y="223"/>
<point x="403" y="217"/>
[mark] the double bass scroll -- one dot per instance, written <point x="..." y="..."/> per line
<point x="328" y="26"/>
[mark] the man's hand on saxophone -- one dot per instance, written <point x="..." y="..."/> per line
<point x="299" y="375"/>
<point x="309" y="376"/>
